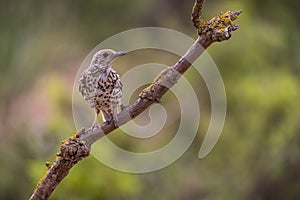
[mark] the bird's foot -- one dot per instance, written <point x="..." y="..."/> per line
<point x="116" y="121"/>
<point x="123" y="107"/>
<point x="95" y="125"/>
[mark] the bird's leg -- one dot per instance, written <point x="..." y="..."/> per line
<point x="115" y="116"/>
<point x="111" y="114"/>
<point x="106" y="117"/>
<point x="96" y="123"/>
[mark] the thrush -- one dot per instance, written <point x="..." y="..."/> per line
<point x="101" y="86"/>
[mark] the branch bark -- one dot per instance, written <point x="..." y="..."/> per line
<point x="78" y="146"/>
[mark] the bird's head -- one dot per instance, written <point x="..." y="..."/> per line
<point x="105" y="57"/>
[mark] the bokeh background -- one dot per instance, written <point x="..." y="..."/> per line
<point x="257" y="156"/>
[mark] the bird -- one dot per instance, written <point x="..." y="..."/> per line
<point x="101" y="86"/>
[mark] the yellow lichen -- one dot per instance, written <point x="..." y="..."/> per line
<point x="48" y="164"/>
<point x="221" y="26"/>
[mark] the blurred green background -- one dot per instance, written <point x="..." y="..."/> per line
<point x="257" y="156"/>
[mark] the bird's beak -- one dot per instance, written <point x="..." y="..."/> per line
<point x="120" y="54"/>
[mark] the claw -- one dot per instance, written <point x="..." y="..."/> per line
<point x="106" y="122"/>
<point x="95" y="125"/>
<point x="123" y="107"/>
<point x="116" y="121"/>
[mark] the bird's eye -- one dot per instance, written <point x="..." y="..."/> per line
<point x="105" y="55"/>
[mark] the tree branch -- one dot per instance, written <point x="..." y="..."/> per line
<point x="78" y="146"/>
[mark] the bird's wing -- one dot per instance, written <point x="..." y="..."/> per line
<point x="117" y="94"/>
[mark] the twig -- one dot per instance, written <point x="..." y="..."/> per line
<point x="78" y="146"/>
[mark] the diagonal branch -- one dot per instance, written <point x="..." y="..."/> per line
<point x="78" y="146"/>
